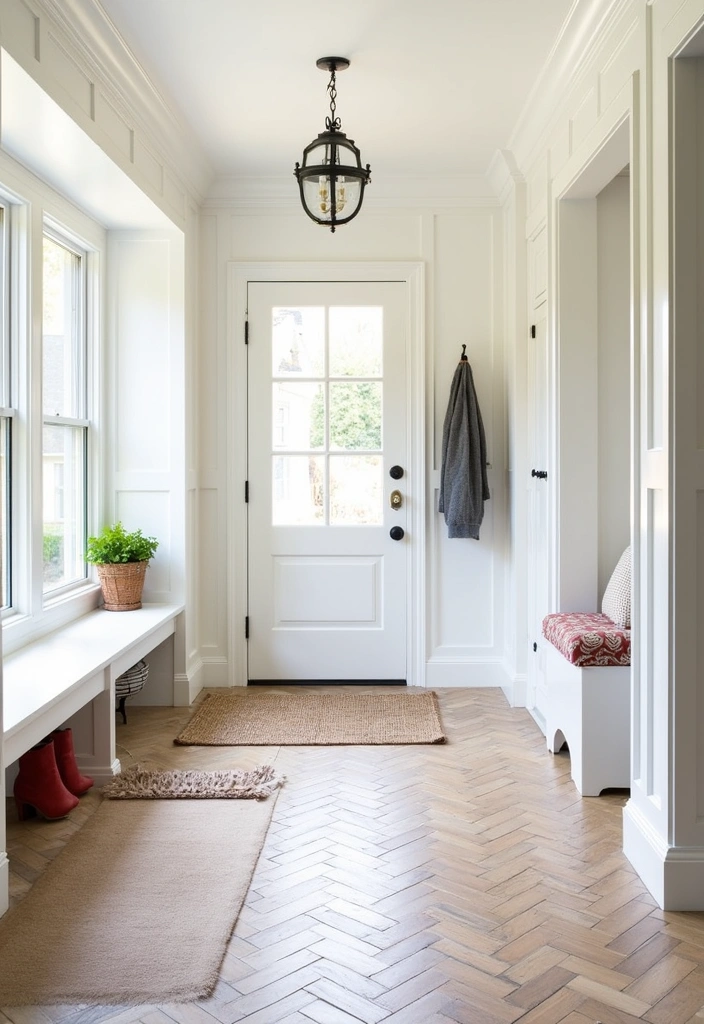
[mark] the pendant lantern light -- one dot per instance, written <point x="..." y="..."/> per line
<point x="331" y="178"/>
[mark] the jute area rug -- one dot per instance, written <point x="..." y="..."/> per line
<point x="314" y="719"/>
<point x="138" y="907"/>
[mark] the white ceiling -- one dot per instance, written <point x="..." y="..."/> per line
<point x="434" y="87"/>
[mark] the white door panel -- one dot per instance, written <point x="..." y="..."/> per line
<point x="327" y="420"/>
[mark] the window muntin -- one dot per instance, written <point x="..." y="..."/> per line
<point x="327" y="415"/>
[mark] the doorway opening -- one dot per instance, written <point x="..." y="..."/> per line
<point x="328" y="570"/>
<point x="593" y="377"/>
<point x="581" y="515"/>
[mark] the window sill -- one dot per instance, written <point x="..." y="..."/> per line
<point x="19" y="630"/>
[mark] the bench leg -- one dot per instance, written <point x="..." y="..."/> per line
<point x="4" y="863"/>
<point x="94" y="738"/>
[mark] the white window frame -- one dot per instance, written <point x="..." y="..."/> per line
<point x="6" y="389"/>
<point x="61" y="238"/>
<point x="34" y="208"/>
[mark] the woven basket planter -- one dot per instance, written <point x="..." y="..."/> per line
<point x="122" y="585"/>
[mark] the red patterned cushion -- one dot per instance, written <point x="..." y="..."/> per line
<point x="587" y="638"/>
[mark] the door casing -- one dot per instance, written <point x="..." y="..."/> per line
<point x="239" y="275"/>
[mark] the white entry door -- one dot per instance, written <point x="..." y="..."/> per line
<point x="327" y="426"/>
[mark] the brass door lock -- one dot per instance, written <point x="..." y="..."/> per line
<point x="395" y="500"/>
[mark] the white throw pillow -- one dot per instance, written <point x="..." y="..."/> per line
<point x="617" y="596"/>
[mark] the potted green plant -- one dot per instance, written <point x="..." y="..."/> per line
<point x="121" y="559"/>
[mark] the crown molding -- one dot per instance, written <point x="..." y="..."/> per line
<point x="586" y="25"/>
<point x="105" y="52"/>
<point x="503" y="173"/>
<point x="252" y="193"/>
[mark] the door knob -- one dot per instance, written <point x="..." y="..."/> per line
<point x="395" y="500"/>
<point x="396" y="472"/>
<point x="396" y="533"/>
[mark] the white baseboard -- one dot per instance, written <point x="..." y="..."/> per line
<point x="466" y="672"/>
<point x="216" y="672"/>
<point x="539" y="719"/>
<point x="184" y="683"/>
<point x="516" y="686"/>
<point x="674" y="875"/>
<point x="100" y="774"/>
<point x="4" y="883"/>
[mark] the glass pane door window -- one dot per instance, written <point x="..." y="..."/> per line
<point x="327" y="416"/>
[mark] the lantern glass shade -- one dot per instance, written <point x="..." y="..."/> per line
<point x="332" y="179"/>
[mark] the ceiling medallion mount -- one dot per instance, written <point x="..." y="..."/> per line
<point x="331" y="178"/>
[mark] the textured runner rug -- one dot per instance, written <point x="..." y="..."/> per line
<point x="138" y="907"/>
<point x="314" y="719"/>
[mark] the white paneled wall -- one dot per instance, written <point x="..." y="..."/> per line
<point x="145" y="440"/>
<point x="630" y="74"/>
<point x="463" y="257"/>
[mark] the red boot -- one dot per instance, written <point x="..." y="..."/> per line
<point x="66" y="760"/>
<point x="39" y="785"/>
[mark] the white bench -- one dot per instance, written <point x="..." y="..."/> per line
<point x="589" y="708"/>
<point x="68" y="678"/>
<point x="70" y="675"/>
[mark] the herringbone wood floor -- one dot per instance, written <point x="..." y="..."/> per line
<point x="464" y="883"/>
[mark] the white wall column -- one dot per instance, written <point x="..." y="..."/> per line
<point x="664" y="819"/>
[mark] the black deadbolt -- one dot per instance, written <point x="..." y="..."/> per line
<point x="396" y="472"/>
<point x="396" y="533"/>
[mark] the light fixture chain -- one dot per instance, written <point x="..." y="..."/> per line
<point x="333" y="123"/>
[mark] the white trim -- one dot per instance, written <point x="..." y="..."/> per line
<point x="186" y="687"/>
<point x="568" y="62"/>
<point x="108" y="59"/>
<point x="239" y="274"/>
<point x="538" y="718"/>
<point x="467" y="672"/>
<point x="504" y="174"/>
<point x="4" y="883"/>
<point x="216" y="672"/>
<point x="101" y="774"/>
<point x="516" y="690"/>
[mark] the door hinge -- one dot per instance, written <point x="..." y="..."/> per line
<point x="535" y="647"/>
<point x="246" y="332"/>
<point x="246" y="627"/>
<point x="246" y="491"/>
<point x="532" y="331"/>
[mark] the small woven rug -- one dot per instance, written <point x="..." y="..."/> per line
<point x="314" y="719"/>
<point x="140" y="783"/>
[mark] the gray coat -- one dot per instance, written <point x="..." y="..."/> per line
<point x="463" y="482"/>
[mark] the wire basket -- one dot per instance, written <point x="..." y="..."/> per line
<point x="122" y="585"/>
<point x="129" y="683"/>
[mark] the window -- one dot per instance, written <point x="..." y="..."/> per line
<point x="50" y="286"/>
<point x="65" y="433"/>
<point x="6" y="415"/>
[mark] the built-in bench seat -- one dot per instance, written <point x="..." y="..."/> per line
<point x="70" y="675"/>
<point x="588" y="638"/>
<point x="589" y="698"/>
